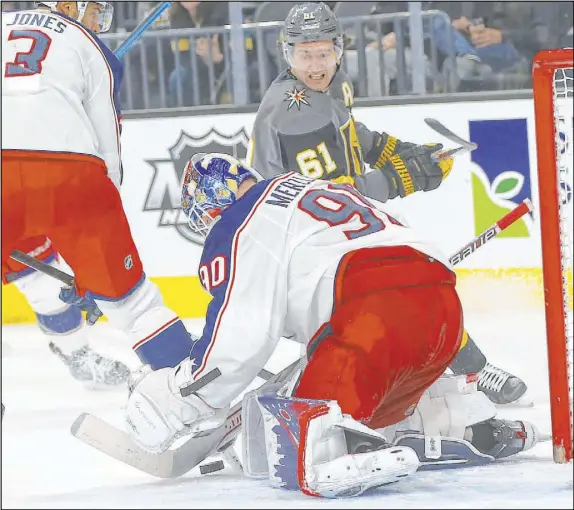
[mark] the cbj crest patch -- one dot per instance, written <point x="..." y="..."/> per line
<point x="296" y="98"/>
<point x="164" y="193"/>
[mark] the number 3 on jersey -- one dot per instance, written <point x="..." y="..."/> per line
<point x="28" y="62"/>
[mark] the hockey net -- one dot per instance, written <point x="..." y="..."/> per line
<point x="553" y="104"/>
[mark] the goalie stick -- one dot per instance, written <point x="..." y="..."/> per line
<point x="173" y="463"/>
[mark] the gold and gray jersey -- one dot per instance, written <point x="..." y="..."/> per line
<point x="313" y="133"/>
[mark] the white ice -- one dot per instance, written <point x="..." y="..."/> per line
<point x="43" y="466"/>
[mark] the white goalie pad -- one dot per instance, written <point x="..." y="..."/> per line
<point x="254" y="452"/>
<point x="306" y="448"/>
<point x="446" y="409"/>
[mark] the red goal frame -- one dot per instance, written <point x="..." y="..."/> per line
<point x="544" y="66"/>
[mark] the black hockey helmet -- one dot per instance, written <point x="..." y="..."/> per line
<point x="311" y="22"/>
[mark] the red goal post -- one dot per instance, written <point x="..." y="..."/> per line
<point x="552" y="85"/>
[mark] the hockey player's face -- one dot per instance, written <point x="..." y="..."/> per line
<point x="314" y="63"/>
<point x="91" y="17"/>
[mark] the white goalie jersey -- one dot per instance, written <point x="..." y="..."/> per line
<point x="270" y="264"/>
<point x="59" y="88"/>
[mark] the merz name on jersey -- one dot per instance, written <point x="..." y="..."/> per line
<point x="38" y="20"/>
<point x="288" y="190"/>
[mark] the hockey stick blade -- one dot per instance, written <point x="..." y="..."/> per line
<point x="117" y="444"/>
<point x="441" y="129"/>
<point x="175" y="462"/>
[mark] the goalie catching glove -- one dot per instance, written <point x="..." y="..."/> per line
<point x="406" y="166"/>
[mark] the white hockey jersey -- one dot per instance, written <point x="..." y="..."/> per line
<point x="270" y="264"/>
<point x="59" y="88"/>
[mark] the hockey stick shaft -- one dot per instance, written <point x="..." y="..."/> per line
<point x="490" y="233"/>
<point x="125" y="46"/>
<point x="38" y="265"/>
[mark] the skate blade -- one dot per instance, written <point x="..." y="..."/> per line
<point x="521" y="403"/>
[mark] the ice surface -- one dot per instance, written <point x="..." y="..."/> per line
<point x="43" y="466"/>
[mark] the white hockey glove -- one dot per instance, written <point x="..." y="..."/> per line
<point x="156" y="414"/>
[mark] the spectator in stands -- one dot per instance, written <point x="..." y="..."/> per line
<point x="388" y="45"/>
<point x="8" y="6"/>
<point x="553" y="22"/>
<point x="208" y="50"/>
<point x="492" y="40"/>
<point x="151" y="74"/>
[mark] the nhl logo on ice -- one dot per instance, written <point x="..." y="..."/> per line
<point x="164" y="193"/>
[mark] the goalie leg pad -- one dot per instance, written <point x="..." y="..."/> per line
<point x="307" y="450"/>
<point x="446" y="408"/>
<point x="439" y="426"/>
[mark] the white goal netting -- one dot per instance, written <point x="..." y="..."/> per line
<point x="564" y="112"/>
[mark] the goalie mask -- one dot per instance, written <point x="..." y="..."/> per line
<point x="210" y="185"/>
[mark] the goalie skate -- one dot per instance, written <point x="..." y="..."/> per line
<point x="503" y="388"/>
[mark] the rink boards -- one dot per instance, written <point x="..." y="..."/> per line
<point x="482" y="187"/>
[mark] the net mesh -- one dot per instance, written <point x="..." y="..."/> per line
<point x="563" y="118"/>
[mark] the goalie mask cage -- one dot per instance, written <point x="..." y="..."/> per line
<point x="553" y="108"/>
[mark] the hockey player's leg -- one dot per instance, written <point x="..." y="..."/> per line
<point x="99" y="247"/>
<point x="499" y="385"/>
<point x="384" y="346"/>
<point x="22" y="228"/>
<point x="309" y="445"/>
<point x="62" y="323"/>
<point x="455" y="425"/>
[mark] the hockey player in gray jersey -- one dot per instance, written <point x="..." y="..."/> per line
<point x="305" y="124"/>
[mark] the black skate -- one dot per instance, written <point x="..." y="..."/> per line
<point x="92" y="369"/>
<point x="501" y="387"/>
<point x="503" y="438"/>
